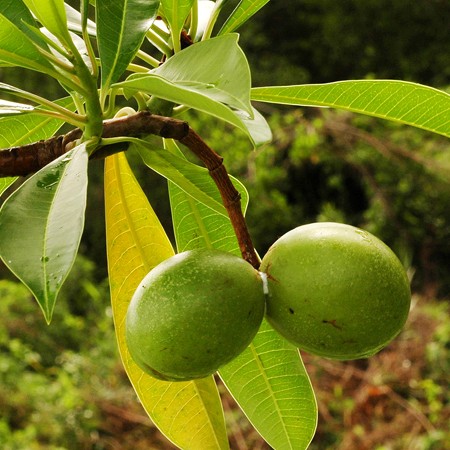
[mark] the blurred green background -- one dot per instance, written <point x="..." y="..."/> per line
<point x="62" y="386"/>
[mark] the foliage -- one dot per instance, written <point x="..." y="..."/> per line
<point x="203" y="68"/>
<point x="317" y="41"/>
<point x="50" y="378"/>
<point x="89" y="402"/>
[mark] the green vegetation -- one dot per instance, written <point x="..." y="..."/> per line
<point x="97" y="73"/>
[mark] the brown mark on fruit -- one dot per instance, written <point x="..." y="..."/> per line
<point x="291" y="311"/>
<point x="332" y="323"/>
<point x="269" y="276"/>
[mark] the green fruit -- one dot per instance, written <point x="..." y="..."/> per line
<point x="335" y="290"/>
<point x="194" y="313"/>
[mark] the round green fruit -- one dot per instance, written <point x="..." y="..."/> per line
<point x="194" y="313"/>
<point x="335" y="290"/>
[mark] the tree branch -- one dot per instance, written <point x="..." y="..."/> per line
<point x="23" y="160"/>
<point x="26" y="159"/>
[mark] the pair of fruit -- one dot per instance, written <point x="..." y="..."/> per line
<point x="330" y="289"/>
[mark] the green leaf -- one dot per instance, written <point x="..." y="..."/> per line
<point x="193" y="220"/>
<point x="18" y="50"/>
<point x="78" y="43"/>
<point x="16" y="131"/>
<point x="74" y="21"/>
<point x="194" y="98"/>
<point x="268" y="379"/>
<point x="176" y="13"/>
<point x="9" y="108"/>
<point x="272" y="386"/>
<point x="19" y="15"/>
<point x="218" y="67"/>
<point x="244" y="10"/>
<point x="409" y="103"/>
<point x="5" y="183"/>
<point x="193" y="179"/>
<point x="212" y="76"/>
<point x="52" y="15"/>
<point x="121" y="28"/>
<point x="41" y="225"/>
<point x="49" y="105"/>
<point x="188" y="413"/>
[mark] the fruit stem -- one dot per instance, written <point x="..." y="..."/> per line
<point x="231" y="198"/>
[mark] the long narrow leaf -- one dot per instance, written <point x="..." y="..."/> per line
<point x="49" y="105"/>
<point x="193" y="179"/>
<point x="8" y="108"/>
<point x="121" y="28"/>
<point x="74" y="21"/>
<point x="244" y="10"/>
<point x="268" y="379"/>
<point x="176" y="13"/>
<point x="17" y="12"/>
<point x="188" y="413"/>
<point x="52" y="15"/>
<point x="17" y="49"/>
<point x="270" y="383"/>
<point x="192" y="220"/>
<point x="41" y="225"/>
<point x="410" y="103"/>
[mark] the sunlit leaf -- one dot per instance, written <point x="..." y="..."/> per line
<point x="271" y="384"/>
<point x="18" y="50"/>
<point x="74" y="21"/>
<point x="244" y="10"/>
<point x="410" y="103"/>
<point x="121" y="28"/>
<point x="12" y="90"/>
<point x="7" y="108"/>
<point x="188" y="413"/>
<point x="52" y="15"/>
<point x="205" y="10"/>
<point x="5" y="183"/>
<point x="17" y="12"/>
<point x="268" y="380"/>
<point x="41" y="225"/>
<point x="193" y="179"/>
<point x="194" y="96"/>
<point x="176" y="13"/>
<point x="78" y="42"/>
<point x="216" y="66"/>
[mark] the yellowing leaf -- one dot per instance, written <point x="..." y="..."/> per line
<point x="189" y="413"/>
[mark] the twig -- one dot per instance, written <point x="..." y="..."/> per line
<point x="20" y="161"/>
<point x="231" y="198"/>
<point x="26" y="159"/>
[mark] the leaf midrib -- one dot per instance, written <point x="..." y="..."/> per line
<point x="269" y="388"/>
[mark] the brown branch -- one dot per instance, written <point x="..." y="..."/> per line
<point x="231" y="198"/>
<point x="26" y="159"/>
<point x="19" y="161"/>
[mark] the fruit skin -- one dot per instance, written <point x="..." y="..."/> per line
<point x="335" y="290"/>
<point x="194" y="313"/>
